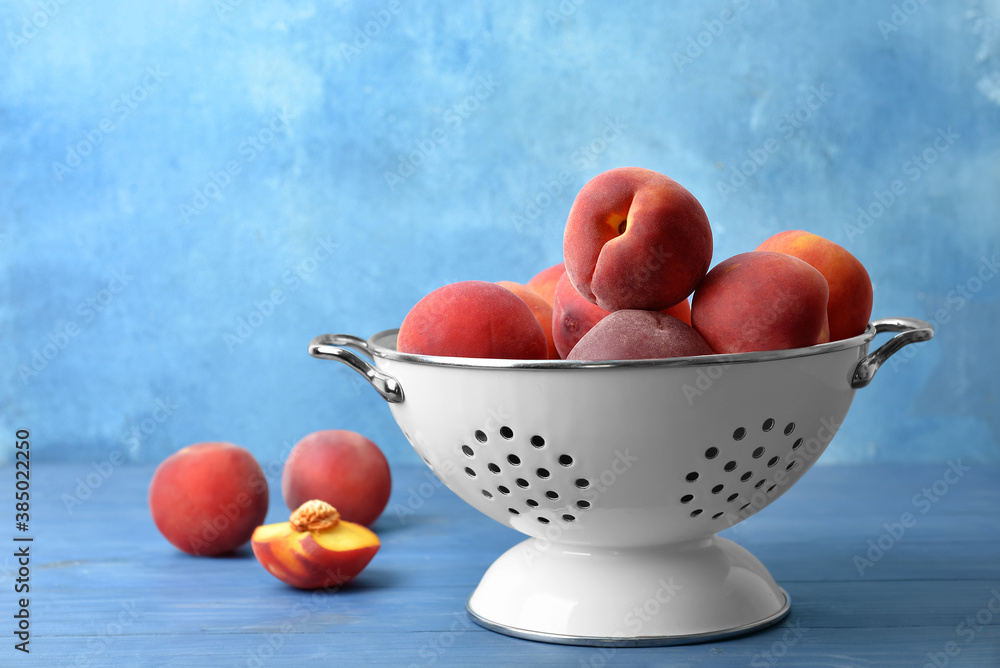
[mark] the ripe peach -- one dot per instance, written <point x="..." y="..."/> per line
<point x="472" y="319"/>
<point x="315" y="548"/>
<point x="761" y="301"/>
<point x="636" y="239"/>
<point x="681" y="310"/>
<point x="541" y="308"/>
<point x="342" y="468"/>
<point x="573" y="316"/>
<point x="207" y="498"/>
<point x="634" y="335"/>
<point x="850" y="304"/>
<point x="544" y="282"/>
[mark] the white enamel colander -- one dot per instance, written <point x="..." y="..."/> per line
<point x="621" y="473"/>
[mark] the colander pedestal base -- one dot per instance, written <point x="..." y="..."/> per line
<point x="689" y="592"/>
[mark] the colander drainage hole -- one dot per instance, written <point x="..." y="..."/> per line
<point x="514" y="460"/>
<point x="718" y="515"/>
<point x="789" y="428"/>
<point x="687" y="498"/>
<point x="758" y="453"/>
<point x="493" y="468"/>
<point x="503" y="490"/>
<point x="772" y="461"/>
<point x="487" y="494"/>
<point x="582" y="483"/>
<point x="565" y="460"/>
<point x="746" y="476"/>
<point x="531" y="503"/>
<point x="470" y="472"/>
<point x="718" y="488"/>
<point x="730" y="465"/>
<point x="480" y="436"/>
<point x="507" y="432"/>
<point x="760" y="483"/>
<point x="768" y="424"/>
<point x="583" y="505"/>
<point x="538" y="441"/>
<point x="569" y="518"/>
<point x="732" y="497"/>
<point x="543" y="520"/>
<point x="691" y="477"/>
<point x="739" y="433"/>
<point x="790" y="466"/>
<point x="744" y="506"/>
<point x="521" y="482"/>
<point x="542" y="473"/>
<point x="771" y="488"/>
<point x="552" y="495"/>
<point x="696" y="512"/>
<point x="513" y="511"/>
<point x="796" y="444"/>
<point x="467" y="450"/>
<point x="711" y="453"/>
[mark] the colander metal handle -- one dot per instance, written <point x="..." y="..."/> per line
<point x="334" y="347"/>
<point x="911" y="330"/>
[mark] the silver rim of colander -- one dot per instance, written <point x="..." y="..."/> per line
<point x="382" y="344"/>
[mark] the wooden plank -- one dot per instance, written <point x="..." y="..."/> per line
<point x="406" y="570"/>
<point x="786" y="645"/>
<point x="258" y="607"/>
<point x="109" y="590"/>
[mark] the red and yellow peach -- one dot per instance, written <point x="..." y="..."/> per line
<point x="207" y="498"/>
<point x="541" y="308"/>
<point x="851" y="296"/>
<point x="472" y="319"/>
<point x="636" y="239"/>
<point x="761" y="301"/>
<point x="633" y="335"/>
<point x="573" y="316"/>
<point x="544" y="282"/>
<point x="342" y="468"/>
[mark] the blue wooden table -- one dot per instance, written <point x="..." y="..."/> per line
<point x="885" y="564"/>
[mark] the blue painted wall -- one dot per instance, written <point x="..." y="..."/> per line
<point x="190" y="192"/>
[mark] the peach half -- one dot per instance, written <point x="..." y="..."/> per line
<point x="314" y="549"/>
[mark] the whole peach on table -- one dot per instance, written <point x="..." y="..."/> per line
<point x="850" y="305"/>
<point x="761" y="301"/>
<point x="573" y="316"/>
<point x="636" y="239"/>
<point x="315" y="548"/>
<point x="541" y="308"/>
<point x="634" y="335"/>
<point x="472" y="319"/>
<point x="342" y="468"/>
<point x="544" y="282"/>
<point x="207" y="498"/>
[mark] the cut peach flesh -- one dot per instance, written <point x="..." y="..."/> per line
<point x="345" y="536"/>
